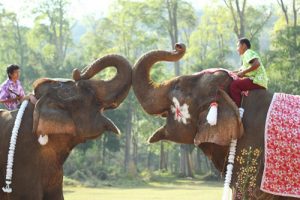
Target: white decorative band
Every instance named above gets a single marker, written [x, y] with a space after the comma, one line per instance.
[12, 146]
[229, 169]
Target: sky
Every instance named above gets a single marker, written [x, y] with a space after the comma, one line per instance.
[82, 8]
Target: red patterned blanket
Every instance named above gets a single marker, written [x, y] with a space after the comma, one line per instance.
[282, 147]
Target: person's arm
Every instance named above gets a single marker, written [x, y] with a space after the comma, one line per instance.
[254, 65]
[10, 100]
[30, 97]
[4, 94]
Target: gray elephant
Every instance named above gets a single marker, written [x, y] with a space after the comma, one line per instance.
[69, 112]
[185, 100]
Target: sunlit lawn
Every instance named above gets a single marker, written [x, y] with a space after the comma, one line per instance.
[181, 190]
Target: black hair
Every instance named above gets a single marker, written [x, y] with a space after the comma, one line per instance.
[10, 69]
[246, 42]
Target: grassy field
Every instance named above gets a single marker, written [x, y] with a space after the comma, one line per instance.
[178, 190]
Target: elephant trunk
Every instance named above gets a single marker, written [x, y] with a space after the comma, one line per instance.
[110, 93]
[153, 97]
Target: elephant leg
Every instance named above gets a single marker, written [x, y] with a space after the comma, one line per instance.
[56, 194]
[21, 196]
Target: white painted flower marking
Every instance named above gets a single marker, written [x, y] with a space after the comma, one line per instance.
[181, 113]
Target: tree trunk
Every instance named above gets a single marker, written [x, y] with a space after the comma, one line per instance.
[189, 171]
[185, 161]
[103, 150]
[128, 138]
[284, 10]
[167, 160]
[238, 16]
[135, 149]
[163, 158]
[182, 160]
[149, 160]
[20, 45]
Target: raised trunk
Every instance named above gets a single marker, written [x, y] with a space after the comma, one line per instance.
[153, 96]
[111, 93]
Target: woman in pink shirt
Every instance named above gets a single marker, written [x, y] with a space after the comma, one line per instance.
[11, 90]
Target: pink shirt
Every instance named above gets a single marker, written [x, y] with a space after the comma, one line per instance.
[8, 90]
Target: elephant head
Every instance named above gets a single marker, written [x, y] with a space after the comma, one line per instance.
[69, 112]
[75, 106]
[185, 101]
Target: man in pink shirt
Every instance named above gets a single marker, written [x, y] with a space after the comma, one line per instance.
[11, 90]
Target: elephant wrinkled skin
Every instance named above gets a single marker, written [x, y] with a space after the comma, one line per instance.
[172, 98]
[69, 112]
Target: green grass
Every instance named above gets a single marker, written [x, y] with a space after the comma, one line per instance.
[179, 189]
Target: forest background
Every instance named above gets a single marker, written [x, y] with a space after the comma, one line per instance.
[55, 43]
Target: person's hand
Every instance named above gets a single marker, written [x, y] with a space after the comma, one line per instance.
[31, 98]
[241, 74]
[18, 98]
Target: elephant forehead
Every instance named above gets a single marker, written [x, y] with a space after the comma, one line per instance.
[47, 126]
[44, 86]
[41, 81]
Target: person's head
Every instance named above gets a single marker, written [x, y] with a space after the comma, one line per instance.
[242, 45]
[13, 72]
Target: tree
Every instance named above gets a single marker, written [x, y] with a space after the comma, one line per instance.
[13, 42]
[244, 18]
[210, 42]
[284, 55]
[50, 37]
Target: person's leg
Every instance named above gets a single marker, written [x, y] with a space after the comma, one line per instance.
[239, 85]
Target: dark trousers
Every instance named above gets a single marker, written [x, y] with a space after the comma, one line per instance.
[239, 85]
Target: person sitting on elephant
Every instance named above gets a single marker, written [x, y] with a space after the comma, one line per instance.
[11, 90]
[251, 75]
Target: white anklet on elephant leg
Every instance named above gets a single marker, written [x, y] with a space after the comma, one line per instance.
[226, 191]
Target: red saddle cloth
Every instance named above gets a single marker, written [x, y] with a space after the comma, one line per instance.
[282, 147]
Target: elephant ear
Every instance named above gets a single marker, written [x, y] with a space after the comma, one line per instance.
[229, 125]
[51, 118]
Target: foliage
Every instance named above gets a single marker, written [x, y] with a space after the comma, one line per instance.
[50, 37]
[284, 57]
[209, 42]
